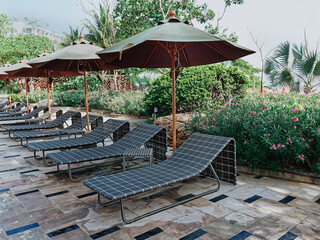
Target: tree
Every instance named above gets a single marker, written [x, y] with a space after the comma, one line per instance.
[101, 29]
[13, 49]
[294, 66]
[5, 25]
[73, 35]
[134, 16]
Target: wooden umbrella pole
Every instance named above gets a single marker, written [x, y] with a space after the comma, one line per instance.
[48, 94]
[86, 94]
[9, 92]
[174, 137]
[27, 98]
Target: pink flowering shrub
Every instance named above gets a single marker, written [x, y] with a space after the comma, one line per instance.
[271, 130]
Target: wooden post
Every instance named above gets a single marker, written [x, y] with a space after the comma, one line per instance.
[174, 137]
[9, 92]
[86, 94]
[27, 98]
[48, 94]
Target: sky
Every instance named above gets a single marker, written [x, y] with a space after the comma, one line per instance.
[270, 21]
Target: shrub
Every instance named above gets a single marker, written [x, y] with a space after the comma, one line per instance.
[77, 83]
[33, 97]
[117, 102]
[197, 87]
[272, 131]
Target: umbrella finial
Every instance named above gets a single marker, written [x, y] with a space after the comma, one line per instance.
[45, 51]
[81, 37]
[172, 13]
[24, 58]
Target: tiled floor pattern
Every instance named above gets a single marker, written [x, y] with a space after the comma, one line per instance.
[36, 202]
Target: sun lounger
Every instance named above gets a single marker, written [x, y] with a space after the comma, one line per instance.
[6, 108]
[144, 134]
[92, 138]
[13, 120]
[14, 112]
[95, 121]
[5, 103]
[200, 154]
[57, 123]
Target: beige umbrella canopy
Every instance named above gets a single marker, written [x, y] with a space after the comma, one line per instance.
[172, 44]
[5, 76]
[22, 69]
[79, 56]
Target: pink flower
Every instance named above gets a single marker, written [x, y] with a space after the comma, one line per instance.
[319, 130]
[279, 145]
[311, 139]
[245, 142]
[295, 110]
[295, 119]
[301, 157]
[239, 119]
[273, 147]
[294, 127]
[303, 139]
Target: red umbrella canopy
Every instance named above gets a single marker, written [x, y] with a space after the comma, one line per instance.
[71, 58]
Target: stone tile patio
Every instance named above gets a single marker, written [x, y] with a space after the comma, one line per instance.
[38, 203]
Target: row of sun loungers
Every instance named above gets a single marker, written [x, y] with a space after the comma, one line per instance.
[201, 154]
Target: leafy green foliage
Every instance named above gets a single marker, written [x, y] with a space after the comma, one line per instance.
[271, 130]
[197, 87]
[134, 16]
[13, 49]
[294, 66]
[73, 35]
[5, 25]
[249, 70]
[117, 102]
[77, 83]
[34, 97]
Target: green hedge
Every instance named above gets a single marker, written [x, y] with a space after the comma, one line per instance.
[272, 131]
[197, 87]
[118, 102]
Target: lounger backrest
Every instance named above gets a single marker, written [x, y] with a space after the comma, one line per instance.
[111, 126]
[18, 108]
[36, 111]
[4, 104]
[201, 149]
[151, 136]
[63, 118]
[82, 122]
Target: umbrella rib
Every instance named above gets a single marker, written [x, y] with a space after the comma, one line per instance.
[153, 49]
[117, 56]
[183, 46]
[69, 65]
[212, 47]
[95, 61]
[185, 56]
[163, 46]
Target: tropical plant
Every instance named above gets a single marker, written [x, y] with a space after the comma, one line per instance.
[295, 66]
[101, 31]
[73, 35]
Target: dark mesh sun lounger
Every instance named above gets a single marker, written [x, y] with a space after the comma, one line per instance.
[99, 134]
[14, 111]
[53, 124]
[5, 103]
[34, 113]
[80, 124]
[144, 134]
[194, 157]
[13, 104]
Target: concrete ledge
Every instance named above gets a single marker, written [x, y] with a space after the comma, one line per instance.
[286, 175]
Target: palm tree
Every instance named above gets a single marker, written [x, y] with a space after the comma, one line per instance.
[294, 66]
[101, 29]
[72, 36]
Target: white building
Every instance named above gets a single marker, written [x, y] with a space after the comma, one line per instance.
[23, 28]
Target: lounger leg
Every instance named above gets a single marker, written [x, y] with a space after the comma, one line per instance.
[171, 205]
[106, 203]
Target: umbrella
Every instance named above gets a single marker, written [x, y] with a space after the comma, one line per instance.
[172, 44]
[22, 69]
[79, 56]
[4, 76]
